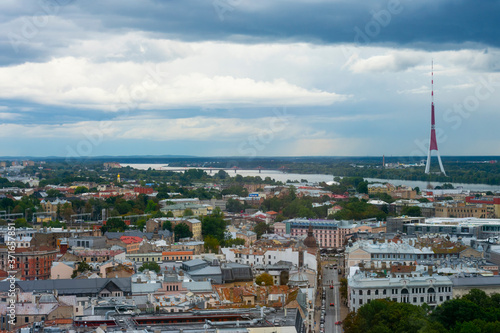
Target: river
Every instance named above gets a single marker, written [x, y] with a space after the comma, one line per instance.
[313, 178]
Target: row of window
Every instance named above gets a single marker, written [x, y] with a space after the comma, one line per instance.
[395, 291]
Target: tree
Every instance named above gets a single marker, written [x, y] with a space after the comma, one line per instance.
[235, 241]
[81, 189]
[82, 267]
[169, 214]
[181, 230]
[411, 211]
[265, 279]
[53, 193]
[151, 265]
[114, 224]
[151, 206]
[67, 211]
[214, 225]
[234, 206]
[141, 224]
[167, 225]
[362, 187]
[211, 244]
[187, 212]
[22, 223]
[261, 228]
[383, 315]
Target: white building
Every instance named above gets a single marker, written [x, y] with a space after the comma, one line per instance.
[416, 290]
[270, 256]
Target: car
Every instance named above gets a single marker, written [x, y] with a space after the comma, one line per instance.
[332, 304]
[331, 286]
[338, 322]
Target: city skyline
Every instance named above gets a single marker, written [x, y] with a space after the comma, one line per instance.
[238, 78]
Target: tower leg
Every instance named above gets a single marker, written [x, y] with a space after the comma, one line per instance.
[440, 163]
[428, 165]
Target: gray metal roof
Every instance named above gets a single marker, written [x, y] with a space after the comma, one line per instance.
[70, 286]
[194, 262]
[209, 270]
[476, 281]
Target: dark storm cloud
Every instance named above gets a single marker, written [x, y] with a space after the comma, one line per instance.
[431, 25]
[398, 21]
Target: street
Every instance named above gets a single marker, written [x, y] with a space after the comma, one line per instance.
[330, 277]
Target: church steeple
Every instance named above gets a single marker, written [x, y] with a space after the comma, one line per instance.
[310, 240]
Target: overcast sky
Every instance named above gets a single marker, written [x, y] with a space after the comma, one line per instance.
[248, 77]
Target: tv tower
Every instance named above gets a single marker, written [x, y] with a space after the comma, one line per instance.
[433, 144]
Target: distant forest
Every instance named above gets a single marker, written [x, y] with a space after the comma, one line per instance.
[459, 169]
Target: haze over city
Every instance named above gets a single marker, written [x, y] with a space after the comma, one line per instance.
[246, 78]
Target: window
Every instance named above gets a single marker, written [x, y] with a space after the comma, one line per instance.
[414, 300]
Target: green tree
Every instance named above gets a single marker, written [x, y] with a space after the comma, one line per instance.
[151, 206]
[114, 224]
[387, 316]
[167, 225]
[151, 266]
[81, 189]
[53, 193]
[411, 211]
[211, 244]
[264, 279]
[362, 187]
[214, 225]
[82, 267]
[169, 214]
[187, 212]
[235, 241]
[234, 206]
[22, 223]
[261, 228]
[141, 224]
[181, 230]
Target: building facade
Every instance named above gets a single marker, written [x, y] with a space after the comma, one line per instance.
[416, 290]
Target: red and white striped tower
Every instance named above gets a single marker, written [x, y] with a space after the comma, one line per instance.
[433, 144]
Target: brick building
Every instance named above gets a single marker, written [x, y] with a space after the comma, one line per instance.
[31, 263]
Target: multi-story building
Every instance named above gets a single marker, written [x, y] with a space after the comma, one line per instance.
[87, 242]
[417, 290]
[144, 257]
[177, 255]
[460, 209]
[30, 263]
[464, 227]
[492, 204]
[379, 254]
[51, 207]
[380, 188]
[328, 233]
[269, 256]
[248, 236]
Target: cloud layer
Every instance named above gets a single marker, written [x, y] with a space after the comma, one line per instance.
[229, 76]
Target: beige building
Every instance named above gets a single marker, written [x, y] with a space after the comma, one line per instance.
[460, 210]
[62, 270]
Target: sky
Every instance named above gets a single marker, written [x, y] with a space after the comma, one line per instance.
[248, 77]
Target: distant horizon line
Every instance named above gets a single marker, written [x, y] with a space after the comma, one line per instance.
[233, 157]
